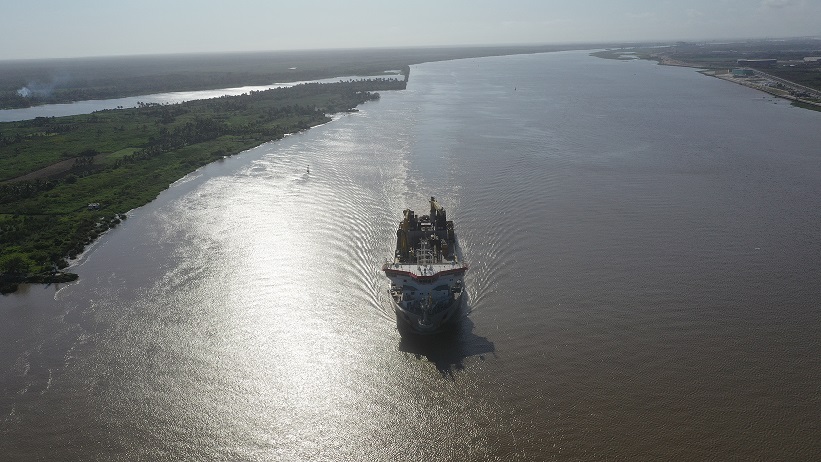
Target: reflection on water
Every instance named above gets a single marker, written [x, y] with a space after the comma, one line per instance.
[643, 285]
[447, 350]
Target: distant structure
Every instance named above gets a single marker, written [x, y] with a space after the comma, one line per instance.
[743, 72]
[812, 60]
[757, 62]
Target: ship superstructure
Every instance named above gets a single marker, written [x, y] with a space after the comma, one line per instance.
[425, 273]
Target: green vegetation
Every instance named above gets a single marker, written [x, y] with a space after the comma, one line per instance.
[35, 82]
[811, 107]
[53, 169]
[64, 181]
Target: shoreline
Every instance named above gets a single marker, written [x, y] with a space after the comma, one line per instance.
[45, 223]
[133, 76]
[719, 73]
[10, 284]
[728, 77]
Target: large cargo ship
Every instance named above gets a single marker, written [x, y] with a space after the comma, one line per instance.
[426, 274]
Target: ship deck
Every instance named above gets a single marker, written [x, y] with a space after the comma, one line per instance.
[418, 271]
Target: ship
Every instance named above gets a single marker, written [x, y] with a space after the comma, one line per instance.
[425, 272]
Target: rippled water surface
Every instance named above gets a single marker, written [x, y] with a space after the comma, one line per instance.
[644, 248]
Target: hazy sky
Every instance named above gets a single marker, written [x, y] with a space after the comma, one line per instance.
[69, 28]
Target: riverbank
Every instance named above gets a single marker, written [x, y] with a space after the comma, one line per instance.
[65, 181]
[10, 283]
[786, 75]
[28, 83]
[766, 87]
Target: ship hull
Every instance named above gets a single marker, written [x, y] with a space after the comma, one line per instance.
[410, 321]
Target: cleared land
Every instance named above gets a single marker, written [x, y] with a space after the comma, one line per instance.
[794, 75]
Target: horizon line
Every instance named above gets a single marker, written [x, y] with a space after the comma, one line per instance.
[591, 44]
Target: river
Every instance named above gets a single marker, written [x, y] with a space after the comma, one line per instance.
[644, 263]
[89, 106]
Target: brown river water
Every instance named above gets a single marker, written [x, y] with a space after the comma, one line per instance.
[644, 246]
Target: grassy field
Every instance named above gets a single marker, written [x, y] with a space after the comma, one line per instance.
[52, 169]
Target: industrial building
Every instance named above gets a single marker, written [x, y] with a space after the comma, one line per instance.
[757, 62]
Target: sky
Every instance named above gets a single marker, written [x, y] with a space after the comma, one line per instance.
[78, 28]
